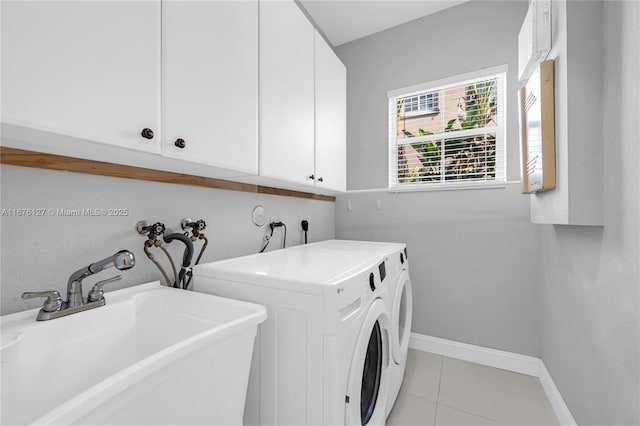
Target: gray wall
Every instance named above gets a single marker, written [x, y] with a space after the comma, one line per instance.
[591, 280]
[39, 253]
[474, 254]
[473, 260]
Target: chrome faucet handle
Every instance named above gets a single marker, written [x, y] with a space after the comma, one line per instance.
[97, 293]
[53, 302]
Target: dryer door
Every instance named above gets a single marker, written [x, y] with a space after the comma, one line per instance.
[368, 384]
[401, 318]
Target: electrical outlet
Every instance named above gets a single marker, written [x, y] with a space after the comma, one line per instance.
[300, 219]
[274, 219]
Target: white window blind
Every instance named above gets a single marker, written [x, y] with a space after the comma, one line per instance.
[448, 132]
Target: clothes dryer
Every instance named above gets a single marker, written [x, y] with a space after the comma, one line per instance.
[399, 297]
[323, 356]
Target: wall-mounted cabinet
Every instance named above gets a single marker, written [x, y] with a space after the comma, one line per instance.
[302, 103]
[177, 84]
[287, 92]
[90, 70]
[330, 118]
[210, 83]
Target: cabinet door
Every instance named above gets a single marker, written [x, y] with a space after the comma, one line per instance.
[88, 69]
[287, 92]
[210, 82]
[331, 118]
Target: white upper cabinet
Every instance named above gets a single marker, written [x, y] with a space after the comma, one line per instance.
[287, 93]
[231, 89]
[330, 118]
[87, 69]
[210, 82]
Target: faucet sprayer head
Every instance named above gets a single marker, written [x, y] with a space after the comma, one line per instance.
[122, 260]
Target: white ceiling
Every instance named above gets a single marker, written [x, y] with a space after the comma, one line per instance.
[343, 21]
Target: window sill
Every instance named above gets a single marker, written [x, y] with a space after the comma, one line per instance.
[451, 186]
[432, 188]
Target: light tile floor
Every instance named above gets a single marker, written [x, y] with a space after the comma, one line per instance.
[444, 391]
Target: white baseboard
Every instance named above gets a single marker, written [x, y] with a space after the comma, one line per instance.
[553, 394]
[477, 354]
[509, 361]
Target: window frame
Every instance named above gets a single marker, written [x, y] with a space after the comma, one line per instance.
[500, 178]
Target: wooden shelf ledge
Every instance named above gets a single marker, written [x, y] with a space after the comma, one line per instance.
[40, 160]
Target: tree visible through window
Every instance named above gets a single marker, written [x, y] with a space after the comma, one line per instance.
[450, 133]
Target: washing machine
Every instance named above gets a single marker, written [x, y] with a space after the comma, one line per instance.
[323, 356]
[398, 297]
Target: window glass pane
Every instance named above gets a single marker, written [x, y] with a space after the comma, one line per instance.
[449, 126]
[419, 162]
[451, 159]
[426, 102]
[402, 108]
[472, 158]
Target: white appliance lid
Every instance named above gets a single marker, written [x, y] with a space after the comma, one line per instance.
[294, 269]
[352, 246]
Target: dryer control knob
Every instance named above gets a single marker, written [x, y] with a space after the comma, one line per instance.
[372, 282]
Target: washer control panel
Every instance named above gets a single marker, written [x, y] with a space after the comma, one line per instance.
[383, 271]
[382, 274]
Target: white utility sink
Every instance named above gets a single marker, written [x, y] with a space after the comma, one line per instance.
[151, 355]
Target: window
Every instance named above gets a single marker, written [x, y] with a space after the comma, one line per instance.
[448, 132]
[425, 103]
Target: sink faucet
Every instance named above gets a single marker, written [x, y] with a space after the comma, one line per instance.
[122, 260]
[54, 307]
